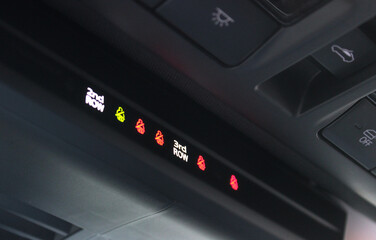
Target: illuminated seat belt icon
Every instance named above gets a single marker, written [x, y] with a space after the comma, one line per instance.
[120, 114]
[140, 126]
[201, 163]
[234, 183]
[159, 138]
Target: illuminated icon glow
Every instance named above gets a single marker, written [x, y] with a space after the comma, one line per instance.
[94, 100]
[201, 163]
[140, 126]
[159, 138]
[180, 151]
[234, 183]
[120, 114]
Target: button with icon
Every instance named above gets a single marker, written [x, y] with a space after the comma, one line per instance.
[228, 30]
[347, 55]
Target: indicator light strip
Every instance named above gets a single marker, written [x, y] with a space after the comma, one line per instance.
[178, 151]
[163, 142]
[70, 84]
[216, 173]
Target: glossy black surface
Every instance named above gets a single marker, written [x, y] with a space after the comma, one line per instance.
[133, 82]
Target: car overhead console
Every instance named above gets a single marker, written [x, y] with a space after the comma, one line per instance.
[88, 79]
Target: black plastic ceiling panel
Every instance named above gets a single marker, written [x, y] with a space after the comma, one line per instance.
[65, 60]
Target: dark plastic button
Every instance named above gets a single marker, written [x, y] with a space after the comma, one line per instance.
[348, 54]
[229, 30]
[355, 133]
